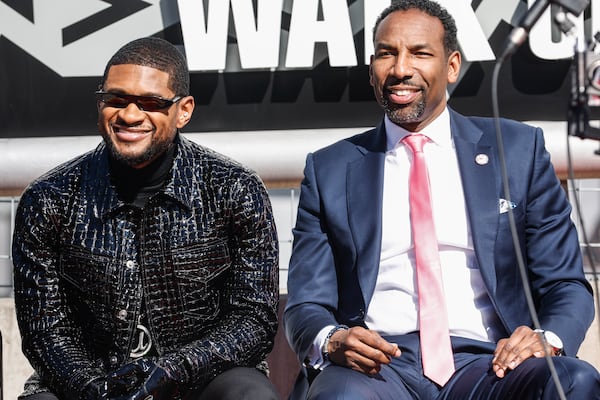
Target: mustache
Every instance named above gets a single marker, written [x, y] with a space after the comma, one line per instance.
[124, 125]
[392, 81]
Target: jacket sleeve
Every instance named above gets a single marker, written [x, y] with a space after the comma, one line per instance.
[554, 256]
[50, 340]
[549, 244]
[312, 278]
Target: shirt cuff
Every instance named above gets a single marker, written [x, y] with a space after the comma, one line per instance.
[315, 354]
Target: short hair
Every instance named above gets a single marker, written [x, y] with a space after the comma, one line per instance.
[428, 7]
[156, 53]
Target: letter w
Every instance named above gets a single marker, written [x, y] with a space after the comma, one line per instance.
[206, 38]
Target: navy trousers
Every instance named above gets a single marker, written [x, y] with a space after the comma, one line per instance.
[474, 378]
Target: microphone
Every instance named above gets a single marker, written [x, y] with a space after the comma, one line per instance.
[519, 34]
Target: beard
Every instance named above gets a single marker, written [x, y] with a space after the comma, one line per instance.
[403, 114]
[156, 148]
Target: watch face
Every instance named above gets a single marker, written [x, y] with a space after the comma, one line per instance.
[553, 340]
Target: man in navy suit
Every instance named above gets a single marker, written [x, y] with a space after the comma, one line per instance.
[352, 310]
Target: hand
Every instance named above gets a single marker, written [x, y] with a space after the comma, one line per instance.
[142, 379]
[361, 349]
[95, 390]
[524, 343]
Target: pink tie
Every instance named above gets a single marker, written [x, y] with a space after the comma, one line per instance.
[436, 351]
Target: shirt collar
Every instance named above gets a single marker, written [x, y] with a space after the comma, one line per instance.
[438, 131]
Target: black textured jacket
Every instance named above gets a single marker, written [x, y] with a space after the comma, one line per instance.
[202, 254]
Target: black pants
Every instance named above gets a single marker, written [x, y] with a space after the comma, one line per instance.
[234, 384]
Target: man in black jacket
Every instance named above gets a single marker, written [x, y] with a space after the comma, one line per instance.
[146, 268]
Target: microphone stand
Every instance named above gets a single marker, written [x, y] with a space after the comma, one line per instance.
[578, 114]
[578, 121]
[515, 39]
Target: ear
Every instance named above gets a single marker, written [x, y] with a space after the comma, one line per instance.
[184, 111]
[371, 71]
[454, 61]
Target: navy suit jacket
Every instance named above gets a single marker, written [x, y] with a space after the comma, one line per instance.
[337, 237]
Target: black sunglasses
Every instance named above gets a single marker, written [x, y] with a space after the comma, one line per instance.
[144, 103]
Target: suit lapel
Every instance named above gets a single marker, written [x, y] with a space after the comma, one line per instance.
[364, 191]
[479, 171]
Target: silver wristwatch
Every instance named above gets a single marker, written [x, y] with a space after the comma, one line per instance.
[553, 340]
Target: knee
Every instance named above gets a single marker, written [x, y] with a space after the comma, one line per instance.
[343, 385]
[585, 373]
[255, 386]
[239, 384]
[253, 392]
[337, 392]
[581, 380]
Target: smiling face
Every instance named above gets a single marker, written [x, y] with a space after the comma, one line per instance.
[410, 68]
[133, 136]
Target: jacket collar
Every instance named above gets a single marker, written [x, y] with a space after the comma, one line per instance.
[178, 187]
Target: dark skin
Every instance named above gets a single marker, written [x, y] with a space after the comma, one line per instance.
[410, 71]
[361, 349]
[366, 351]
[132, 132]
[510, 352]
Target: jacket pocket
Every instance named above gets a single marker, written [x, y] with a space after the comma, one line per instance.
[200, 270]
[86, 274]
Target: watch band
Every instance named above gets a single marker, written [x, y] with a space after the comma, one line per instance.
[325, 348]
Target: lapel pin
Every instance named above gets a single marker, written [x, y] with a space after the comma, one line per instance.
[482, 159]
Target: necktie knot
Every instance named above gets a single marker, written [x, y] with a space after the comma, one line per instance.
[415, 142]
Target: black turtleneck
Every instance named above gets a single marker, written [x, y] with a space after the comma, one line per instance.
[136, 185]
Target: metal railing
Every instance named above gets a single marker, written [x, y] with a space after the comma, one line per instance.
[285, 203]
[586, 194]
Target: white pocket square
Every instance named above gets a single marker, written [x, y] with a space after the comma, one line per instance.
[505, 205]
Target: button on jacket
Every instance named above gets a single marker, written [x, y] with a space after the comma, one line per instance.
[201, 255]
